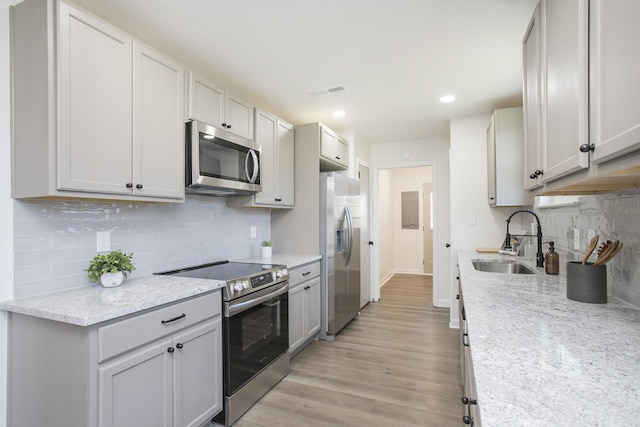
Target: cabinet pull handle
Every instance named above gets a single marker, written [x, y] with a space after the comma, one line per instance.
[138, 186]
[585, 148]
[278, 200]
[536, 174]
[128, 185]
[171, 350]
[337, 158]
[307, 273]
[179, 345]
[306, 288]
[174, 319]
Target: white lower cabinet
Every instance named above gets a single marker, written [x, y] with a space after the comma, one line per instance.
[162, 368]
[304, 306]
[173, 378]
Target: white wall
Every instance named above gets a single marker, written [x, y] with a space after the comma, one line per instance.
[6, 209]
[469, 193]
[429, 152]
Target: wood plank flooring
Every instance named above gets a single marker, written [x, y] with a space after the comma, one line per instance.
[397, 365]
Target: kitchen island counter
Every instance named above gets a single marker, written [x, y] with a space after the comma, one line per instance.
[541, 359]
[94, 304]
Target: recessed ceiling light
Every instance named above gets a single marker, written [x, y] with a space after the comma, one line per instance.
[447, 98]
[339, 113]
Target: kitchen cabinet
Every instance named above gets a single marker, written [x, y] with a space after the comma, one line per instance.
[334, 150]
[304, 305]
[215, 106]
[505, 159]
[276, 139]
[469, 398]
[96, 113]
[614, 62]
[532, 86]
[161, 367]
[590, 141]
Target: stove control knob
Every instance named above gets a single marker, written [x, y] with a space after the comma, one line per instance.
[281, 273]
[245, 284]
[237, 287]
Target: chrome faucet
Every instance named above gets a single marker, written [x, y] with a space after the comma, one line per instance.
[507, 241]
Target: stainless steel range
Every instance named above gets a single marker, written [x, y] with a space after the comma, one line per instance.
[255, 330]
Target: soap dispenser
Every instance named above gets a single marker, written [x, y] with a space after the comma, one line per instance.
[551, 260]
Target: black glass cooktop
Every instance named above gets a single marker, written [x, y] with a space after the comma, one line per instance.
[223, 270]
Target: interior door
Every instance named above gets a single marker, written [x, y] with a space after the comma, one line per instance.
[427, 261]
[364, 174]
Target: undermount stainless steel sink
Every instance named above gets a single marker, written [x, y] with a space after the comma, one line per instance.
[499, 266]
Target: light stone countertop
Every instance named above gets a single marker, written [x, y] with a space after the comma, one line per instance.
[290, 260]
[541, 359]
[94, 304]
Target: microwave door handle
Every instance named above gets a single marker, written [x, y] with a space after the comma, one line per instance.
[256, 167]
[246, 166]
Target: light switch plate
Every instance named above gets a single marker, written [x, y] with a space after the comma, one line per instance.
[253, 232]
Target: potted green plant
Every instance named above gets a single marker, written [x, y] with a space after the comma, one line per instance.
[110, 268]
[266, 249]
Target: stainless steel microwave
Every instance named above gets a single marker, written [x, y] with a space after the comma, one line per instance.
[220, 163]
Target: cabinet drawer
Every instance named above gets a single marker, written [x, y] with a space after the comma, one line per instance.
[304, 273]
[122, 336]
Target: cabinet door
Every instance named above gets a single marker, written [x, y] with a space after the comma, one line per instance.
[158, 129]
[566, 87]
[312, 307]
[95, 80]
[266, 127]
[342, 152]
[328, 141]
[615, 81]
[296, 316]
[491, 161]
[285, 164]
[531, 46]
[206, 101]
[137, 390]
[239, 117]
[198, 374]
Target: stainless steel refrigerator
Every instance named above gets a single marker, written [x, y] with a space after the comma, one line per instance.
[340, 250]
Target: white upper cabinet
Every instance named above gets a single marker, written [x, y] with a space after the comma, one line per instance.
[334, 150]
[215, 106]
[108, 124]
[589, 106]
[565, 92]
[505, 159]
[276, 139]
[531, 46]
[95, 114]
[158, 128]
[615, 78]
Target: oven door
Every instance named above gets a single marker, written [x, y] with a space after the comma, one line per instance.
[256, 331]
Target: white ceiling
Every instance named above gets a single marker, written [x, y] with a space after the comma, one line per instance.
[397, 57]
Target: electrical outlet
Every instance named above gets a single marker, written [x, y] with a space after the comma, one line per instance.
[576, 239]
[103, 241]
[253, 231]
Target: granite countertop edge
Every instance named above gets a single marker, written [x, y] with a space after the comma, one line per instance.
[90, 305]
[542, 359]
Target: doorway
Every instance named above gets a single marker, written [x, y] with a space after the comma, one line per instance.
[405, 221]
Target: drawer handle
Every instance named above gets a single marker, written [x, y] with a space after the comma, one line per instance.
[306, 288]
[307, 273]
[174, 319]
[179, 345]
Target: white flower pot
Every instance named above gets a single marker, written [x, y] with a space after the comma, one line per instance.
[266, 251]
[111, 280]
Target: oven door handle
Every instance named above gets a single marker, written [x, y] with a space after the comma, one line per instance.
[242, 306]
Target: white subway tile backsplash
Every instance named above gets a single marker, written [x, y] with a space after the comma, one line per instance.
[54, 240]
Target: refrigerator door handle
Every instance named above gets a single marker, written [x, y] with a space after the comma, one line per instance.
[349, 242]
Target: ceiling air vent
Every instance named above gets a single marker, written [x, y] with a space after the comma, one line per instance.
[328, 90]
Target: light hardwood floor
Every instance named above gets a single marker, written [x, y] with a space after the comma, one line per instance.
[397, 365]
